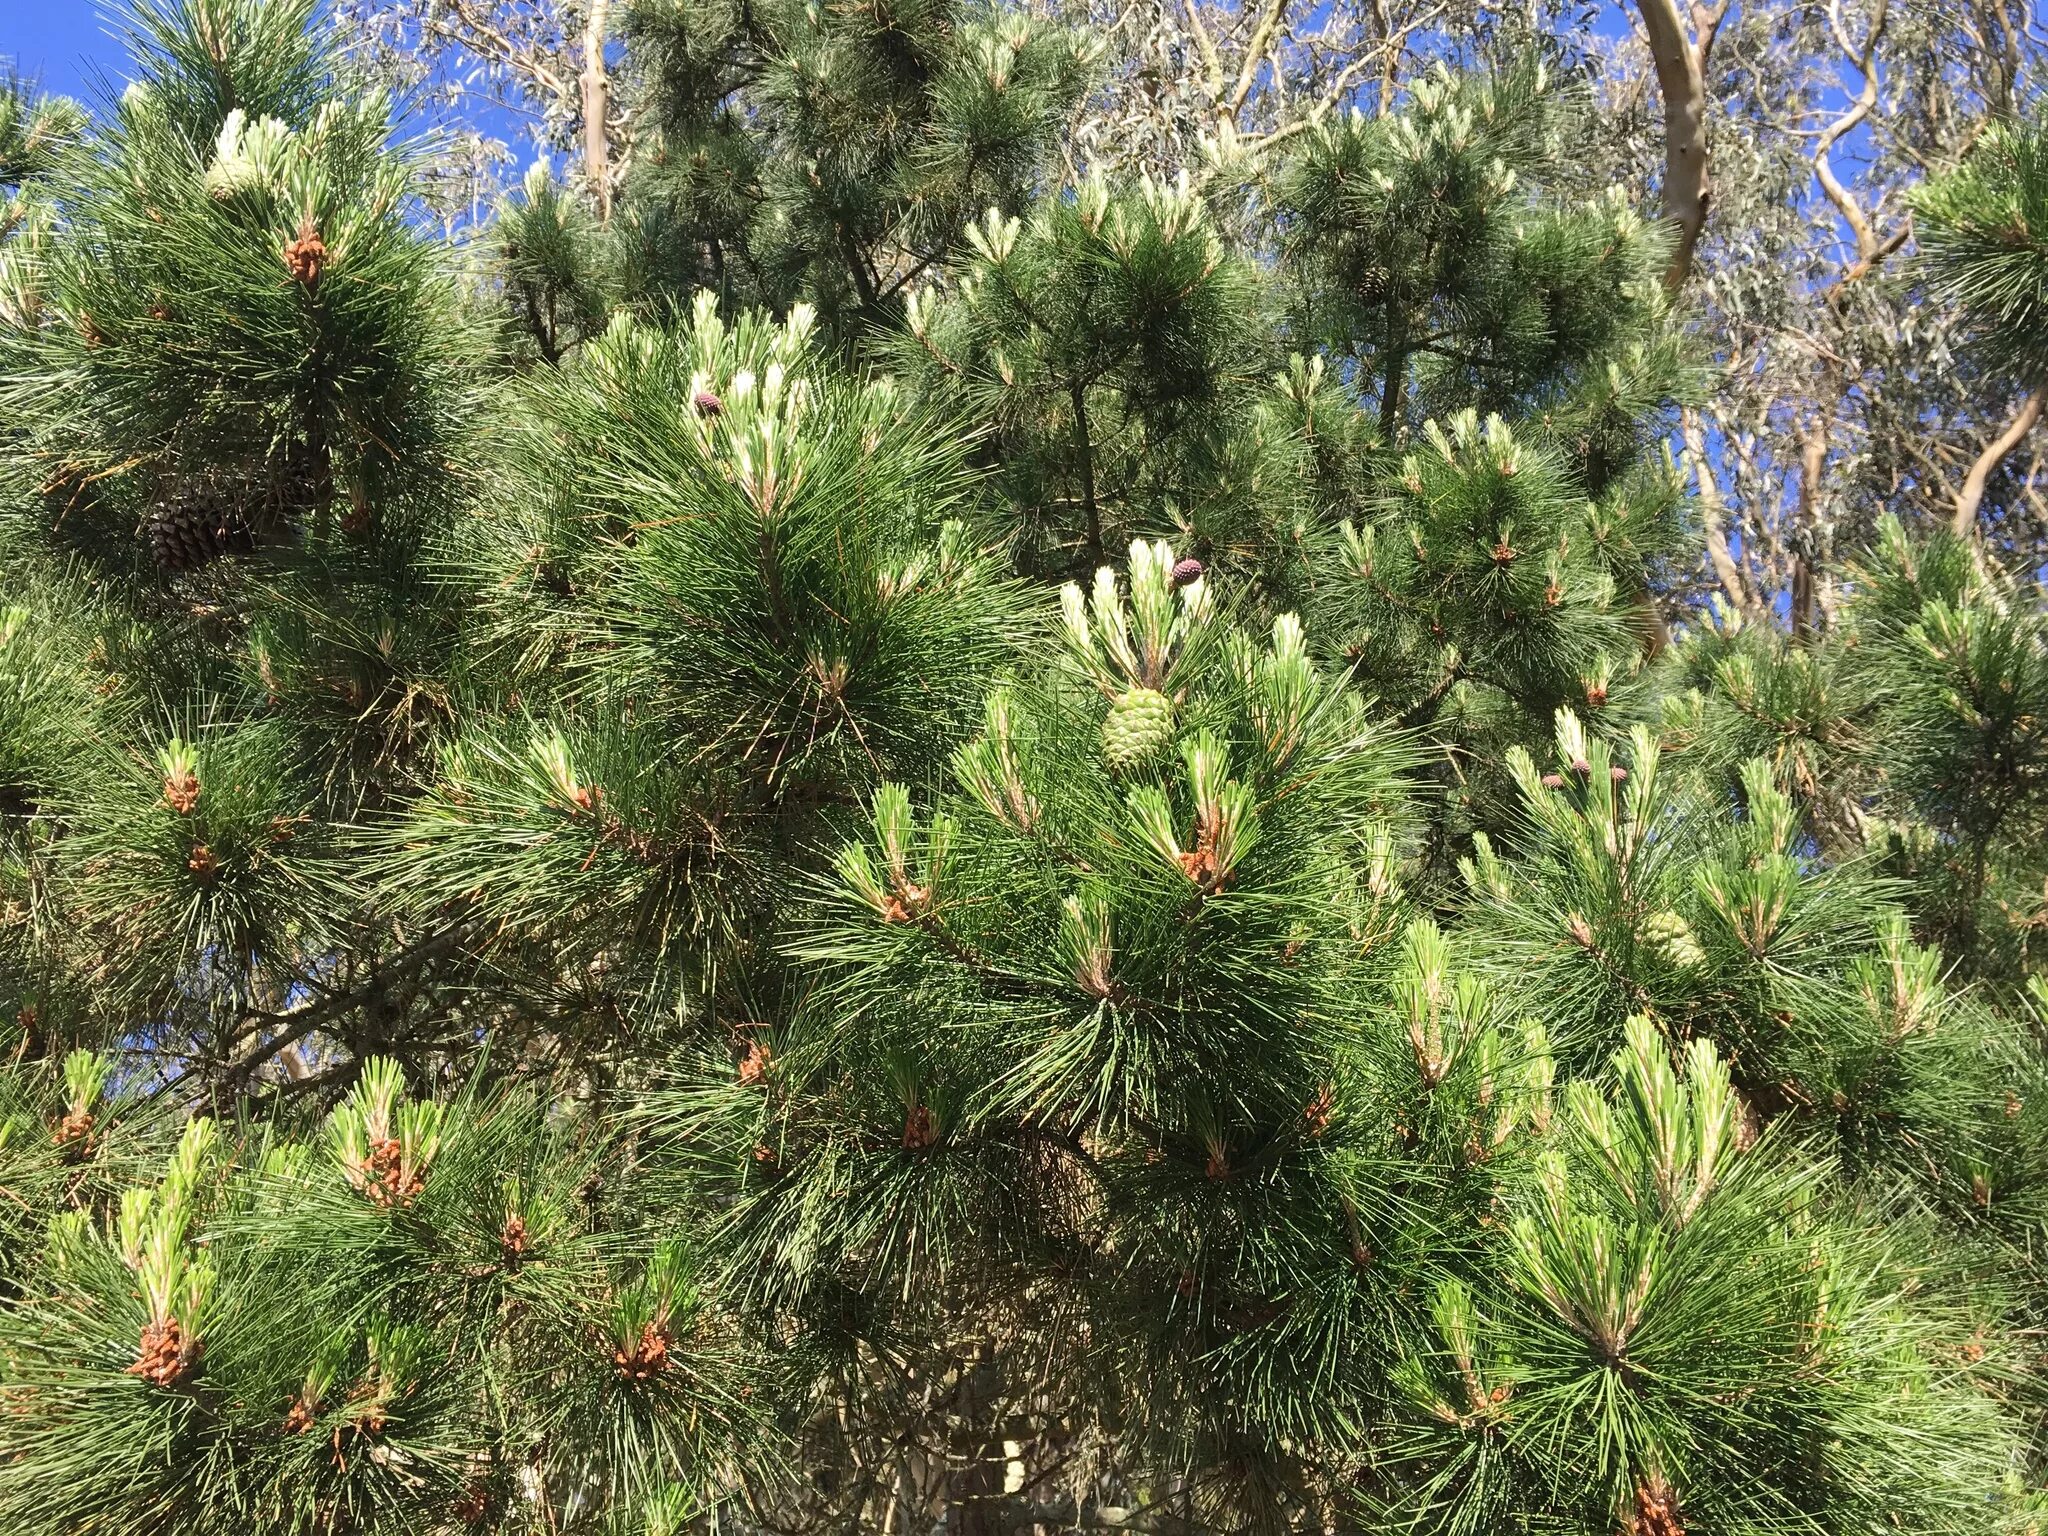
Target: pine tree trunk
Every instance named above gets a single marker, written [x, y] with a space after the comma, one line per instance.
[974, 1494]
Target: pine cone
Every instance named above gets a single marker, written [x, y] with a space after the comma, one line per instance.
[194, 529]
[1316, 1118]
[1139, 727]
[1186, 572]
[1672, 936]
[754, 1069]
[181, 791]
[475, 1505]
[707, 404]
[74, 1134]
[385, 1179]
[512, 1243]
[920, 1130]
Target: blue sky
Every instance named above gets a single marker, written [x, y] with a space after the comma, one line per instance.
[56, 41]
[69, 47]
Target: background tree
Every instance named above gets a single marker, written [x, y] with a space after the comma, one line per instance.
[529, 77]
[257, 349]
[838, 154]
[1114, 350]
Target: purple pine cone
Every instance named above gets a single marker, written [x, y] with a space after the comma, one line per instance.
[1186, 571]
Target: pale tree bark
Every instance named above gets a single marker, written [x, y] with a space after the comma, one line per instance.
[1255, 59]
[1859, 56]
[1805, 593]
[1714, 515]
[597, 100]
[1971, 497]
[1680, 51]
[1679, 47]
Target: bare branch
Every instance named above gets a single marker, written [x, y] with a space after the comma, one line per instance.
[1964, 523]
[1681, 80]
[1254, 57]
[1713, 514]
[1859, 59]
[1207, 46]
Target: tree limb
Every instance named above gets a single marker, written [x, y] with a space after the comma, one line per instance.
[1964, 523]
[1681, 62]
[1206, 45]
[1859, 58]
[1254, 56]
[1713, 514]
[596, 89]
[1813, 458]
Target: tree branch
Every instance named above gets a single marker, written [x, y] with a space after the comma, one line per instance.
[596, 89]
[1964, 523]
[1681, 80]
[1206, 45]
[1866, 99]
[1713, 513]
[1254, 56]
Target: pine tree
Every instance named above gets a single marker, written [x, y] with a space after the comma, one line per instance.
[1517, 352]
[1115, 351]
[902, 843]
[834, 154]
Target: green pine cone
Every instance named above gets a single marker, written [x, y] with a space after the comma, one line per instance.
[1673, 937]
[1140, 725]
[235, 176]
